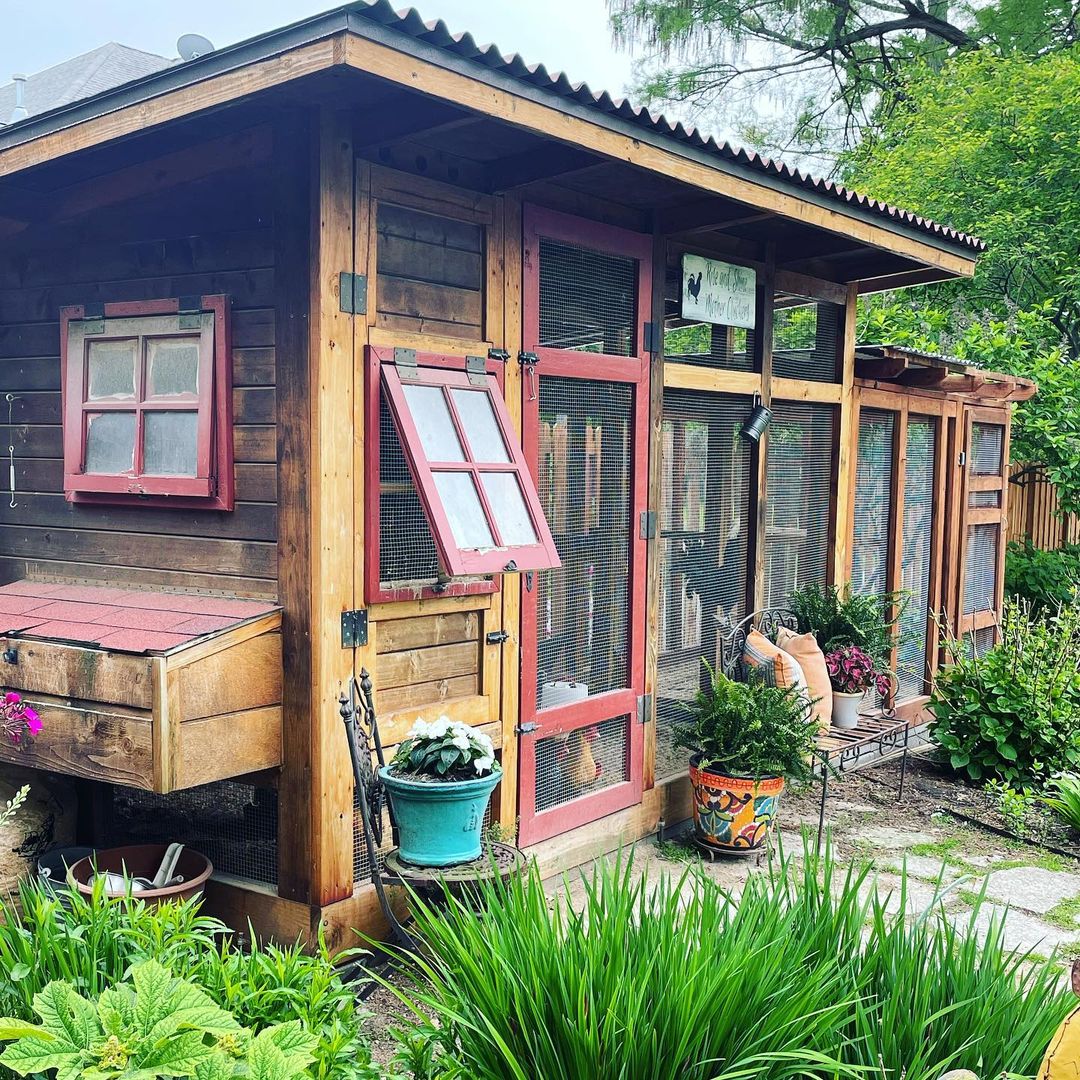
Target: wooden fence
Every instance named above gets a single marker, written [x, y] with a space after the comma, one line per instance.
[1033, 505]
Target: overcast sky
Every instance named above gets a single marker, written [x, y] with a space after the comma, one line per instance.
[567, 35]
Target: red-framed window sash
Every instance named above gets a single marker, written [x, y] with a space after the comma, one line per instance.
[447, 373]
[594, 367]
[212, 485]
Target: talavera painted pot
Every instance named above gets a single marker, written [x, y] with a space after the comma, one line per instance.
[733, 813]
[439, 823]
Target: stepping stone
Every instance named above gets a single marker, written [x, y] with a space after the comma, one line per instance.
[1022, 931]
[1032, 888]
[927, 867]
[919, 897]
[893, 839]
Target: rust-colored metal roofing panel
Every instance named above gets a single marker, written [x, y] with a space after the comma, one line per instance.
[125, 620]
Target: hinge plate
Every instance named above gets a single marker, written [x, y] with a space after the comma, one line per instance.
[354, 628]
[647, 524]
[405, 362]
[644, 708]
[190, 312]
[353, 290]
[651, 337]
[476, 369]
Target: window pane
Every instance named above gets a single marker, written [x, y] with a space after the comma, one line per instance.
[431, 415]
[508, 505]
[111, 369]
[170, 443]
[481, 428]
[464, 510]
[172, 366]
[110, 443]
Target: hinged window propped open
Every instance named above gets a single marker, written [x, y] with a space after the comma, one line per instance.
[466, 462]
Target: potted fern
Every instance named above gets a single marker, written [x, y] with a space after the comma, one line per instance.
[746, 739]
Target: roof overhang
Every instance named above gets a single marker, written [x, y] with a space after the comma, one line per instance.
[346, 38]
[927, 371]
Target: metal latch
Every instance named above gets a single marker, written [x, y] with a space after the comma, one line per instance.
[354, 628]
[647, 524]
[476, 369]
[528, 362]
[497, 637]
[644, 708]
[499, 355]
[963, 458]
[352, 289]
[405, 361]
[526, 729]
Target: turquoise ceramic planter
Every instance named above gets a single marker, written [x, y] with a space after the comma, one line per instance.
[439, 824]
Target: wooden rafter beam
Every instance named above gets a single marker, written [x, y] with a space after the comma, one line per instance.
[707, 215]
[544, 163]
[886, 369]
[385, 124]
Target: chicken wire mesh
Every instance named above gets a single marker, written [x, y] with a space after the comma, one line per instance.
[585, 468]
[873, 502]
[233, 823]
[807, 337]
[987, 449]
[588, 300]
[582, 762]
[709, 345]
[980, 569]
[704, 539]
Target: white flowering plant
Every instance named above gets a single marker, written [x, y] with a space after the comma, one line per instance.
[445, 750]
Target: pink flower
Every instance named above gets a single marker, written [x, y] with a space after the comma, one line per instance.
[11, 698]
[33, 722]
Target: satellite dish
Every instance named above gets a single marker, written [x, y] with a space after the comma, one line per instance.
[192, 46]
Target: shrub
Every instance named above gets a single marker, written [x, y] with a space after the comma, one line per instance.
[1048, 579]
[1013, 713]
[749, 728]
[91, 943]
[838, 619]
[1064, 799]
[680, 980]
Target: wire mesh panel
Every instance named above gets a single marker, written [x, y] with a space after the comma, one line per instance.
[987, 449]
[234, 824]
[799, 493]
[581, 763]
[709, 345]
[916, 556]
[584, 482]
[982, 640]
[704, 536]
[984, 498]
[407, 554]
[807, 338]
[873, 502]
[980, 571]
[588, 300]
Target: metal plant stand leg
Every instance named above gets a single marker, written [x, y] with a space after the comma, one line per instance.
[903, 765]
[824, 796]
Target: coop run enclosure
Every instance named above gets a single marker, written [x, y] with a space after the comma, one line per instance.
[353, 346]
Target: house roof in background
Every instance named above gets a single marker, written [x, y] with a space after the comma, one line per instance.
[81, 77]
[407, 32]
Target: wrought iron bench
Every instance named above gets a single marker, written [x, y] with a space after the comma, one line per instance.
[838, 750]
[499, 861]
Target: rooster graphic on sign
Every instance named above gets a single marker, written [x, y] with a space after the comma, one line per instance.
[693, 284]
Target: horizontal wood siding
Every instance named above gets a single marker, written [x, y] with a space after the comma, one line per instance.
[191, 240]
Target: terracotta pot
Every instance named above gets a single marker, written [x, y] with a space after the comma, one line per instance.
[143, 860]
[733, 813]
[845, 710]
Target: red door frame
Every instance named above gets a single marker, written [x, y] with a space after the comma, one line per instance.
[633, 370]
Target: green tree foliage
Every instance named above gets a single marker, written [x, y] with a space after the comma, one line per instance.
[833, 67]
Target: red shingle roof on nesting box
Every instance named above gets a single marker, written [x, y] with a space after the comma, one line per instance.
[123, 620]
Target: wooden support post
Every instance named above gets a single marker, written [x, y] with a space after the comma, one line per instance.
[758, 467]
[847, 438]
[314, 168]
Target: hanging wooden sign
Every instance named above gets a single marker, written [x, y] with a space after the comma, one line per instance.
[718, 292]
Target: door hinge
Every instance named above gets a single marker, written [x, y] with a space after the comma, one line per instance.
[93, 320]
[354, 628]
[644, 708]
[353, 289]
[647, 524]
[405, 361]
[190, 312]
[651, 337]
[526, 729]
[497, 637]
[476, 369]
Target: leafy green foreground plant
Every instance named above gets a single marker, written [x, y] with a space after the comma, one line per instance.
[1049, 579]
[156, 1026]
[92, 942]
[841, 617]
[680, 979]
[1064, 799]
[1013, 713]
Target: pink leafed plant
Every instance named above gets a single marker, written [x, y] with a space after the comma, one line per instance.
[852, 671]
[17, 719]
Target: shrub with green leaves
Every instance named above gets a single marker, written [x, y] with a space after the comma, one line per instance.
[1048, 579]
[682, 980]
[1013, 713]
[1064, 799]
[749, 728]
[154, 1026]
[92, 942]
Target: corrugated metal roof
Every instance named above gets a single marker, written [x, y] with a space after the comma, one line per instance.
[386, 24]
[120, 620]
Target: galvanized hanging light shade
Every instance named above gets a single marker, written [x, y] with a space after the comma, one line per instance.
[756, 422]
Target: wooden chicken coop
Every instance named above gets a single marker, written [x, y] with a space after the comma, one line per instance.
[356, 345]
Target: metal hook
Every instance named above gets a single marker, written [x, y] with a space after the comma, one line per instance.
[11, 399]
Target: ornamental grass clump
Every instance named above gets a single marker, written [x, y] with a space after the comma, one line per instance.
[444, 750]
[807, 972]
